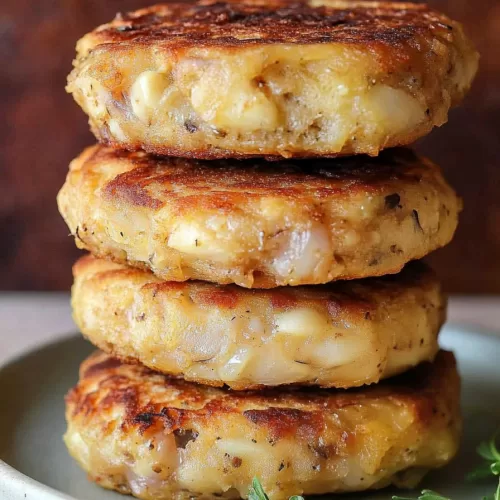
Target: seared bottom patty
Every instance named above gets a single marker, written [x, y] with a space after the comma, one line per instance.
[344, 334]
[139, 432]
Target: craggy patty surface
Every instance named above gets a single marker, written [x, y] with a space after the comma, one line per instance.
[344, 334]
[257, 223]
[140, 432]
[271, 78]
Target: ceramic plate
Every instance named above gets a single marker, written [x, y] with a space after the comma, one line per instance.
[36, 465]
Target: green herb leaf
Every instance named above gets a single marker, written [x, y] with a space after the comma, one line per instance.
[480, 472]
[484, 450]
[488, 449]
[491, 454]
[495, 468]
[257, 491]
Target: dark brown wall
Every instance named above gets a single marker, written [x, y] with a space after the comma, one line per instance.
[41, 129]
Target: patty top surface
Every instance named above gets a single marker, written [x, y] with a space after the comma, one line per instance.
[350, 299]
[148, 396]
[254, 22]
[151, 181]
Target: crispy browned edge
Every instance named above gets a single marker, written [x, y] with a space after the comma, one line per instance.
[425, 390]
[212, 23]
[214, 153]
[241, 179]
[337, 295]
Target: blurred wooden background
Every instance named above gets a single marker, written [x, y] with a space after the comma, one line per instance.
[41, 130]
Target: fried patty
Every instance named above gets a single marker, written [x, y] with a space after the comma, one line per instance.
[269, 78]
[139, 432]
[344, 334]
[257, 223]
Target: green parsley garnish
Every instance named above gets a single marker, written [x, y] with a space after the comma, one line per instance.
[257, 492]
[489, 452]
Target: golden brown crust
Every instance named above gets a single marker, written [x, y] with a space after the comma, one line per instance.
[318, 78]
[133, 386]
[373, 25]
[351, 297]
[123, 418]
[343, 334]
[231, 182]
[257, 223]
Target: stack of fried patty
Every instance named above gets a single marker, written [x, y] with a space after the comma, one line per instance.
[250, 284]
